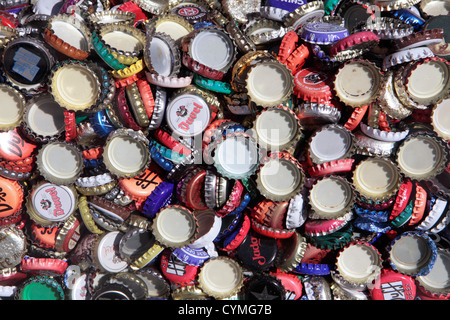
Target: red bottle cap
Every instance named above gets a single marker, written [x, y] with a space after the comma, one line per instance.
[176, 271]
[13, 147]
[392, 285]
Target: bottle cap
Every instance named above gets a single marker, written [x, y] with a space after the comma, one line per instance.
[124, 42]
[436, 212]
[126, 153]
[112, 16]
[70, 78]
[141, 186]
[134, 243]
[331, 142]
[313, 85]
[50, 203]
[323, 33]
[221, 277]
[357, 83]
[322, 227]
[359, 263]
[13, 246]
[436, 282]
[236, 156]
[376, 178]
[291, 283]
[257, 252]
[292, 251]
[160, 197]
[157, 285]
[331, 198]
[426, 37]
[43, 118]
[427, 92]
[74, 41]
[29, 62]
[392, 285]
[173, 25]
[412, 253]
[209, 224]
[176, 271]
[440, 119]
[60, 162]
[191, 256]
[202, 41]
[288, 6]
[277, 128]
[264, 31]
[391, 28]
[14, 107]
[191, 12]
[264, 287]
[12, 197]
[44, 266]
[41, 288]
[161, 55]
[269, 93]
[422, 156]
[188, 115]
[175, 226]
[155, 7]
[105, 252]
[280, 177]
[309, 12]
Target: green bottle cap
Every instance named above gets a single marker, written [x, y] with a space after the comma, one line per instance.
[41, 288]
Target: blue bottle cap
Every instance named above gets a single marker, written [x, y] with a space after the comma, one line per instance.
[312, 269]
[373, 215]
[101, 124]
[192, 256]
[371, 226]
[410, 18]
[288, 5]
[413, 253]
[323, 33]
[159, 198]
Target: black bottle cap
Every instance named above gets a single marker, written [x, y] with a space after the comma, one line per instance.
[257, 252]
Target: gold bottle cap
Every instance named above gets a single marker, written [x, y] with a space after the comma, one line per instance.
[277, 128]
[437, 282]
[175, 226]
[376, 178]
[280, 177]
[359, 263]
[331, 197]
[126, 153]
[440, 119]
[13, 107]
[331, 142]
[221, 277]
[422, 156]
[114, 17]
[60, 162]
[74, 85]
[269, 83]
[357, 83]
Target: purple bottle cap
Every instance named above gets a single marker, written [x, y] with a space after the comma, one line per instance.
[160, 197]
[323, 33]
[288, 5]
[192, 256]
[312, 269]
